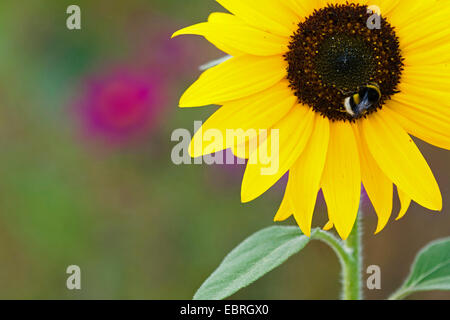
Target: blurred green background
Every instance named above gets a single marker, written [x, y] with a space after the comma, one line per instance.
[139, 226]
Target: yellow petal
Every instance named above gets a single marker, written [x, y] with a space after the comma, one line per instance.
[431, 77]
[226, 31]
[428, 29]
[285, 211]
[236, 78]
[281, 149]
[329, 225]
[433, 56]
[268, 15]
[242, 150]
[430, 102]
[302, 8]
[402, 14]
[240, 121]
[378, 187]
[400, 159]
[341, 181]
[422, 27]
[419, 123]
[201, 29]
[387, 7]
[306, 174]
[405, 202]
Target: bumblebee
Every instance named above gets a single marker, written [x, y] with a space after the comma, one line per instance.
[360, 101]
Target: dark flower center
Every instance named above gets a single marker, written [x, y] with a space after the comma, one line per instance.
[334, 54]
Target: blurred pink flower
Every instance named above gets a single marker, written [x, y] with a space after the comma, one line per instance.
[120, 106]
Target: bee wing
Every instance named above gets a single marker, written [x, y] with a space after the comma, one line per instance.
[364, 105]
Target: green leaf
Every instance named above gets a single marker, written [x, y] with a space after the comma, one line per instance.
[253, 258]
[430, 270]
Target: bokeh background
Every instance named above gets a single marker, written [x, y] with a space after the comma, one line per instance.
[86, 176]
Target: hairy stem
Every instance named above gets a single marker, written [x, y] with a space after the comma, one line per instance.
[352, 270]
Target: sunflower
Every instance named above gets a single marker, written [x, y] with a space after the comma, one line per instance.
[345, 94]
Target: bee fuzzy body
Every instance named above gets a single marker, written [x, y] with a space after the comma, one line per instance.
[358, 103]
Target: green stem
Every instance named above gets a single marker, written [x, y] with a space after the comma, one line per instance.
[352, 269]
[350, 257]
[336, 244]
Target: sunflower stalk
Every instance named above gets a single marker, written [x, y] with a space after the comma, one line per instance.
[352, 267]
[349, 253]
